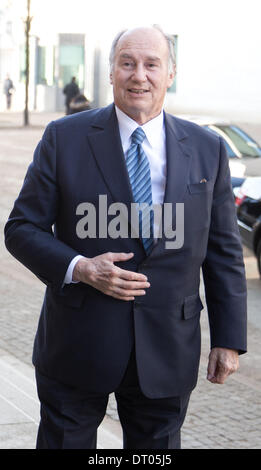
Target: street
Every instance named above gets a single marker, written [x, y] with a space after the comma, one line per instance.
[219, 416]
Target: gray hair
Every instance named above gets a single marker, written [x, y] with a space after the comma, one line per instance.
[168, 37]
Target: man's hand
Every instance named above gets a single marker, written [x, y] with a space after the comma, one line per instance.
[101, 273]
[222, 363]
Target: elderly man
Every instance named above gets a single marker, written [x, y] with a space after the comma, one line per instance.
[122, 310]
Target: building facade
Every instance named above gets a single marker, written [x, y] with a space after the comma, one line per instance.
[217, 45]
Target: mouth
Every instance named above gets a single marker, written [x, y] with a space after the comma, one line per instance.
[137, 91]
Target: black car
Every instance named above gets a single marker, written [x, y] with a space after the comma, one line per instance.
[248, 203]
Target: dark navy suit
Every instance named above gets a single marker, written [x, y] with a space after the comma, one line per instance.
[84, 337]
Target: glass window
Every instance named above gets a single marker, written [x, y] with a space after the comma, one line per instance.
[245, 144]
[173, 88]
[22, 63]
[230, 151]
[41, 61]
[71, 59]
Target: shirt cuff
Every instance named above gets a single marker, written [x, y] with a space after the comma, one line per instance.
[69, 272]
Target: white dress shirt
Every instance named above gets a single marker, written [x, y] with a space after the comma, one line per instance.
[154, 146]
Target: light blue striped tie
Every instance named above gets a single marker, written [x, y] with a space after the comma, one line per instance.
[139, 174]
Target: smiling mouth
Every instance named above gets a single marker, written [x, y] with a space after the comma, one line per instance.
[137, 91]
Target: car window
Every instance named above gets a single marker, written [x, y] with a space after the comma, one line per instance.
[245, 144]
[230, 151]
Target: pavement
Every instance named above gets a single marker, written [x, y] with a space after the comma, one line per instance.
[219, 416]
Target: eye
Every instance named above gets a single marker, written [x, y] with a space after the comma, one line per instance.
[127, 64]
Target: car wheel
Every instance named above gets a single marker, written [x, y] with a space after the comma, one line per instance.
[258, 254]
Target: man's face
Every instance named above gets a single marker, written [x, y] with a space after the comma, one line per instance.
[140, 75]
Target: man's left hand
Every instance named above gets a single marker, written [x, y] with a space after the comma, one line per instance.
[222, 362]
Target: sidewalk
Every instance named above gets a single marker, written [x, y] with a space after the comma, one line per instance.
[19, 409]
[15, 119]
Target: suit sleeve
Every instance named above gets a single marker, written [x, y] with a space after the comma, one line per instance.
[223, 268]
[29, 234]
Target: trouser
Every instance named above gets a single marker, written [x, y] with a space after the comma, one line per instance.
[70, 417]
[8, 100]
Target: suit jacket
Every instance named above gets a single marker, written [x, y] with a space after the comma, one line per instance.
[85, 337]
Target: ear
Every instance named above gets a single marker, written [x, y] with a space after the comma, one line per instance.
[171, 76]
[111, 80]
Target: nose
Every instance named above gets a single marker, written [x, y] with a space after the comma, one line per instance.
[139, 73]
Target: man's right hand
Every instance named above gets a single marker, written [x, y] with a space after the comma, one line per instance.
[101, 273]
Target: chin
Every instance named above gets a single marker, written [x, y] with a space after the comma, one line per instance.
[138, 107]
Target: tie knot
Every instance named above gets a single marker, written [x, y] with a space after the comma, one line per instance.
[138, 136]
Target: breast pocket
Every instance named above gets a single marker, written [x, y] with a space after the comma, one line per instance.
[197, 207]
[200, 188]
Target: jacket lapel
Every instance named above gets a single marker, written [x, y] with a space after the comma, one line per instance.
[178, 160]
[105, 142]
[104, 139]
[178, 165]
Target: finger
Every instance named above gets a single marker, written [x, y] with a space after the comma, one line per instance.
[220, 377]
[123, 273]
[126, 299]
[131, 285]
[220, 374]
[121, 295]
[211, 368]
[116, 257]
[223, 372]
[131, 275]
[128, 293]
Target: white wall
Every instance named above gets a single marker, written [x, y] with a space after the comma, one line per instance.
[219, 66]
[219, 52]
[219, 44]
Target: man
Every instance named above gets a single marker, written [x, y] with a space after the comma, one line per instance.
[8, 91]
[70, 91]
[121, 314]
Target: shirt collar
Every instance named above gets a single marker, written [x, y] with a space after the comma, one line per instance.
[153, 128]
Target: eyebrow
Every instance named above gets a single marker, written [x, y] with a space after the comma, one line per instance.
[129, 56]
[153, 59]
[125, 56]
